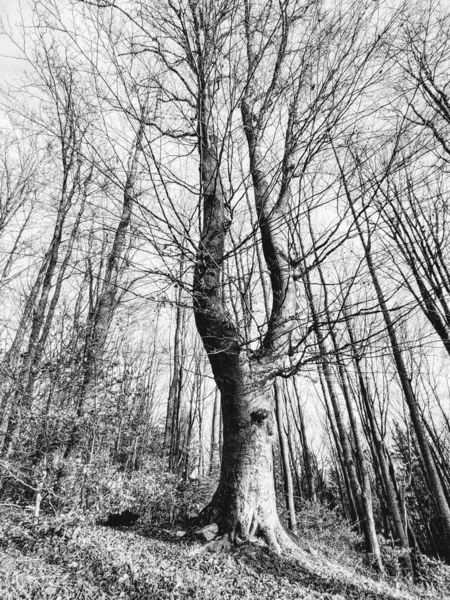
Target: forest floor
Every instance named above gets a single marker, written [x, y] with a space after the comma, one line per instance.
[72, 558]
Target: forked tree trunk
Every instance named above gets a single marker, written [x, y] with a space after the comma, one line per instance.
[244, 503]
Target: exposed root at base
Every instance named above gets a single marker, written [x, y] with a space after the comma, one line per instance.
[313, 567]
[251, 523]
[317, 571]
[220, 544]
[280, 544]
[278, 538]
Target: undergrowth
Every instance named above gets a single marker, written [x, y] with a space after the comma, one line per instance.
[67, 555]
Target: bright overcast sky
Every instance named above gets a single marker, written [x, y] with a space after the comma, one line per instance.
[10, 13]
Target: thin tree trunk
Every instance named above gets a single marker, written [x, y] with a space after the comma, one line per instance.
[366, 492]
[101, 313]
[22, 398]
[353, 509]
[419, 429]
[176, 375]
[284, 448]
[347, 453]
[391, 496]
[309, 471]
[215, 433]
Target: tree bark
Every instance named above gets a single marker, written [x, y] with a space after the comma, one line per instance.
[244, 502]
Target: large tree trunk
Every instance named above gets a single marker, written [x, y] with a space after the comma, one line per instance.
[244, 503]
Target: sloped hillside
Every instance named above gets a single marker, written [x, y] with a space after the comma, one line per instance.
[65, 558]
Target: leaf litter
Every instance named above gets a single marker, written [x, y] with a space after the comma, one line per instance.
[73, 560]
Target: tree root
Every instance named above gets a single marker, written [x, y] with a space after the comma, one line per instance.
[220, 544]
[280, 542]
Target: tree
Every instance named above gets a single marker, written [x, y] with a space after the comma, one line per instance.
[59, 87]
[439, 494]
[102, 311]
[252, 104]
[270, 84]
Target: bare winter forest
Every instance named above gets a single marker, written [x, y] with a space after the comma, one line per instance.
[225, 299]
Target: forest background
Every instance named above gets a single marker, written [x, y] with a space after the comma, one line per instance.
[247, 202]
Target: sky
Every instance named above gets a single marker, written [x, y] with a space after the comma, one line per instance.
[10, 11]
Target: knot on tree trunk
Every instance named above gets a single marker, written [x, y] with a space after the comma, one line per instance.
[259, 416]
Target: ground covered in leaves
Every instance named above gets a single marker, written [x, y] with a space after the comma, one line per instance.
[70, 557]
